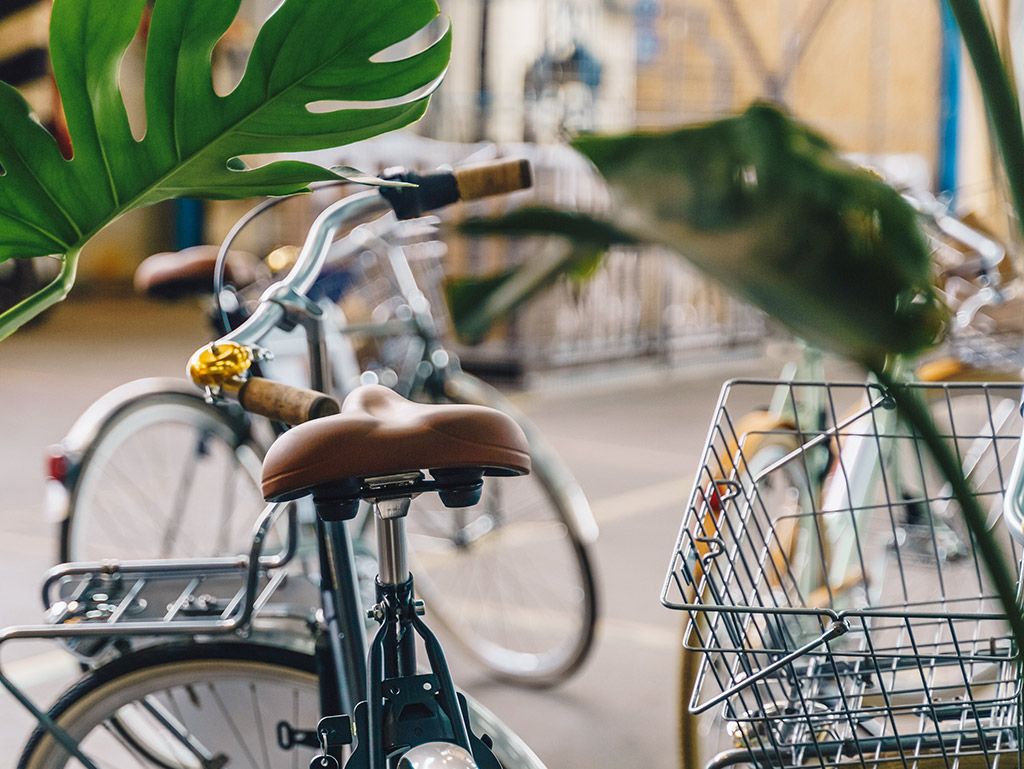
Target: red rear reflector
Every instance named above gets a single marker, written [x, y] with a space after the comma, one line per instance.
[56, 464]
[716, 494]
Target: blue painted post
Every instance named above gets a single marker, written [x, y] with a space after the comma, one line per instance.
[188, 222]
[949, 110]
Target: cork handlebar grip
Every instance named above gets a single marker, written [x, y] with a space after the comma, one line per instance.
[495, 178]
[284, 403]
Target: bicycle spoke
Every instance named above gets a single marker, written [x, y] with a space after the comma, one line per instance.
[151, 488]
[177, 511]
[260, 727]
[242, 742]
[177, 730]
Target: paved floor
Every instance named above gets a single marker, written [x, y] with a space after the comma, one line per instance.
[633, 445]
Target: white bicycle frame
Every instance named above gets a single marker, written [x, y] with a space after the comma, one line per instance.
[1013, 504]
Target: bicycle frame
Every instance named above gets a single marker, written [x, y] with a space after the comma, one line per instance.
[341, 648]
[392, 653]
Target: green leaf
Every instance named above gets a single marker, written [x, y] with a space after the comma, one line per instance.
[767, 207]
[308, 52]
[476, 304]
[537, 220]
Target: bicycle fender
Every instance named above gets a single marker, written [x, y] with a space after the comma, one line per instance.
[508, 746]
[85, 430]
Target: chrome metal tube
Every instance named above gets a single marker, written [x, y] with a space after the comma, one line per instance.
[1013, 504]
[990, 251]
[392, 553]
[308, 265]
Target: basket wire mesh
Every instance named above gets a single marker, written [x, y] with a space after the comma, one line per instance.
[832, 589]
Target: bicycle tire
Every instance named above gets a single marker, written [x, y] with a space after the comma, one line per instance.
[169, 662]
[766, 439]
[571, 588]
[106, 520]
[104, 694]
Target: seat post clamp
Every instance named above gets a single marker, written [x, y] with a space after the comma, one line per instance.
[396, 507]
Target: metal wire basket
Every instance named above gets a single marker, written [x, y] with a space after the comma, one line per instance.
[842, 614]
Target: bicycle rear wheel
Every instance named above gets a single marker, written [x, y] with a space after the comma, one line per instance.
[228, 698]
[192, 705]
[510, 578]
[166, 476]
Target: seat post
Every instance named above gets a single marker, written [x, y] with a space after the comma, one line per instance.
[392, 547]
[395, 603]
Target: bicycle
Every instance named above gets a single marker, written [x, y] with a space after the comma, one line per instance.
[243, 701]
[158, 439]
[799, 407]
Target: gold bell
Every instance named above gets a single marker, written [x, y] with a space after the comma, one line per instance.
[219, 364]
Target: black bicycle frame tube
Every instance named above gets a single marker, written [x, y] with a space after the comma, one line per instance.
[339, 581]
[399, 641]
[393, 655]
[316, 345]
[343, 615]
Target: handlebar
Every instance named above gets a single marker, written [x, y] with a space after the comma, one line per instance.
[990, 252]
[439, 189]
[296, 284]
[419, 194]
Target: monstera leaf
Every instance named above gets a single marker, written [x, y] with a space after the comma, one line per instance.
[765, 206]
[310, 53]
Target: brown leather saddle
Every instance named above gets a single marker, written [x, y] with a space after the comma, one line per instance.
[175, 275]
[379, 433]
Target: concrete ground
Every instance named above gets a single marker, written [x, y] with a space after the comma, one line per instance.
[633, 443]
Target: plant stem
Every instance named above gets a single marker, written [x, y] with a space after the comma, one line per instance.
[1003, 578]
[998, 93]
[50, 294]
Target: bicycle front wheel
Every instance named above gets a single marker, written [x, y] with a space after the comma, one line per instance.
[166, 476]
[784, 491]
[510, 578]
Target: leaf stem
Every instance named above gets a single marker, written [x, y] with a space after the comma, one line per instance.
[999, 95]
[50, 294]
[1003, 580]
